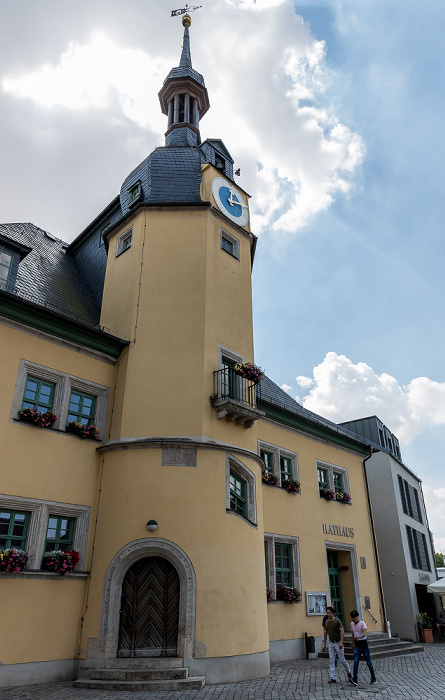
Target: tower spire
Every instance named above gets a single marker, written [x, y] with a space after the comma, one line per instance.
[184, 98]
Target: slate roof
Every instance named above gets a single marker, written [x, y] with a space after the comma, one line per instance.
[274, 396]
[50, 278]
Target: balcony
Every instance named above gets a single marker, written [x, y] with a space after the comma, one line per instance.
[235, 397]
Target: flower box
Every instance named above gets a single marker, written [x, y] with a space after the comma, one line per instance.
[36, 417]
[249, 371]
[291, 486]
[327, 494]
[288, 594]
[342, 497]
[61, 562]
[269, 594]
[13, 560]
[269, 479]
[88, 432]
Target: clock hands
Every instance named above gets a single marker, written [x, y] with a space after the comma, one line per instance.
[232, 202]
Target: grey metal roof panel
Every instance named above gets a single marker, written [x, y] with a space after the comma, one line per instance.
[50, 278]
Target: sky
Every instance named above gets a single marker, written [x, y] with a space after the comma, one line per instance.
[333, 110]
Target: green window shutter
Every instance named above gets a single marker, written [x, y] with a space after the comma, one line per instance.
[283, 564]
[268, 460]
[38, 394]
[286, 469]
[238, 500]
[13, 529]
[59, 534]
[81, 408]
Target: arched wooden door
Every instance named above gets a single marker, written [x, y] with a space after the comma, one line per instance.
[149, 609]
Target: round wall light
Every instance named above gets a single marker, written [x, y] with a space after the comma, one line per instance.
[152, 525]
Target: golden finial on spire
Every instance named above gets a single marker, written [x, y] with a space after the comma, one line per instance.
[186, 20]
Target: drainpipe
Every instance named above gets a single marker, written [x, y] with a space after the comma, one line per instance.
[374, 539]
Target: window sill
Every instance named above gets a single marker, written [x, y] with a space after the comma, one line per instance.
[242, 517]
[42, 574]
[59, 431]
[282, 602]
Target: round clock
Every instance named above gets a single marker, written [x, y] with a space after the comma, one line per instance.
[230, 201]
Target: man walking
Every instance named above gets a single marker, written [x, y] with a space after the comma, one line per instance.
[358, 629]
[334, 630]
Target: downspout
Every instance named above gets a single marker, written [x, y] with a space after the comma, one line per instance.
[374, 539]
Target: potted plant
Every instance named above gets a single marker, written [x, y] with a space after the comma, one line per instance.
[328, 494]
[269, 593]
[61, 562]
[425, 625]
[12, 559]
[269, 479]
[249, 371]
[36, 417]
[288, 594]
[291, 485]
[89, 432]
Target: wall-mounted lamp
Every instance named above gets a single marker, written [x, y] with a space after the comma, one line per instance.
[152, 525]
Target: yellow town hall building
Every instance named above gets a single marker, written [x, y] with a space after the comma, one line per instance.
[205, 500]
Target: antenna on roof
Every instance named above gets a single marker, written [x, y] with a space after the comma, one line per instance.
[182, 11]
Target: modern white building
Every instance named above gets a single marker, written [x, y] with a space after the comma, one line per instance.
[404, 541]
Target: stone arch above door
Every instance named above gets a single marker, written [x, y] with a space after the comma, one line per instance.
[106, 645]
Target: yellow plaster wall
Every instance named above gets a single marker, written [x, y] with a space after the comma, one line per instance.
[189, 504]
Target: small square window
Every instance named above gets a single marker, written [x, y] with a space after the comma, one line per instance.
[285, 469]
[230, 244]
[13, 529]
[81, 408]
[38, 394]
[59, 534]
[267, 457]
[135, 193]
[338, 483]
[332, 478]
[124, 242]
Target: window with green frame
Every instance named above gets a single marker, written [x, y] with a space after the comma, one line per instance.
[59, 534]
[228, 379]
[283, 564]
[268, 460]
[286, 469]
[13, 528]
[81, 408]
[338, 482]
[322, 475]
[5, 268]
[38, 394]
[238, 500]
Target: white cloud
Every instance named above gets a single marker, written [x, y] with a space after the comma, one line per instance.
[267, 85]
[435, 506]
[286, 388]
[342, 390]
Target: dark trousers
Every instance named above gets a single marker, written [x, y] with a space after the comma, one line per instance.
[358, 651]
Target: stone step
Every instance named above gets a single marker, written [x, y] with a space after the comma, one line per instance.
[138, 674]
[398, 649]
[191, 683]
[381, 645]
[146, 662]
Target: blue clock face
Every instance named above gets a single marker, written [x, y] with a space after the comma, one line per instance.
[230, 201]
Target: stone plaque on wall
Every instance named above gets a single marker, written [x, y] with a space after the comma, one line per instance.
[179, 457]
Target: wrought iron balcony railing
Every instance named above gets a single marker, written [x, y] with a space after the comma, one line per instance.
[235, 397]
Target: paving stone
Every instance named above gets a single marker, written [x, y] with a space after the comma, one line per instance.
[414, 677]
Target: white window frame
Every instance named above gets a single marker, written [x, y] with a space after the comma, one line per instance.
[234, 465]
[120, 243]
[40, 511]
[271, 539]
[233, 240]
[278, 452]
[331, 469]
[63, 385]
[134, 193]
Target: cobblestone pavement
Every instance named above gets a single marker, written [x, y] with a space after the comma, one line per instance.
[414, 677]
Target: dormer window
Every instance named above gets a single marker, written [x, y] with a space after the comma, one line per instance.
[5, 268]
[124, 242]
[135, 193]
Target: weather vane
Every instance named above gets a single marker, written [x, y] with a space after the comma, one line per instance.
[175, 13]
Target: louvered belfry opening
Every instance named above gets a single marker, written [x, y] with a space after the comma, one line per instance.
[149, 609]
